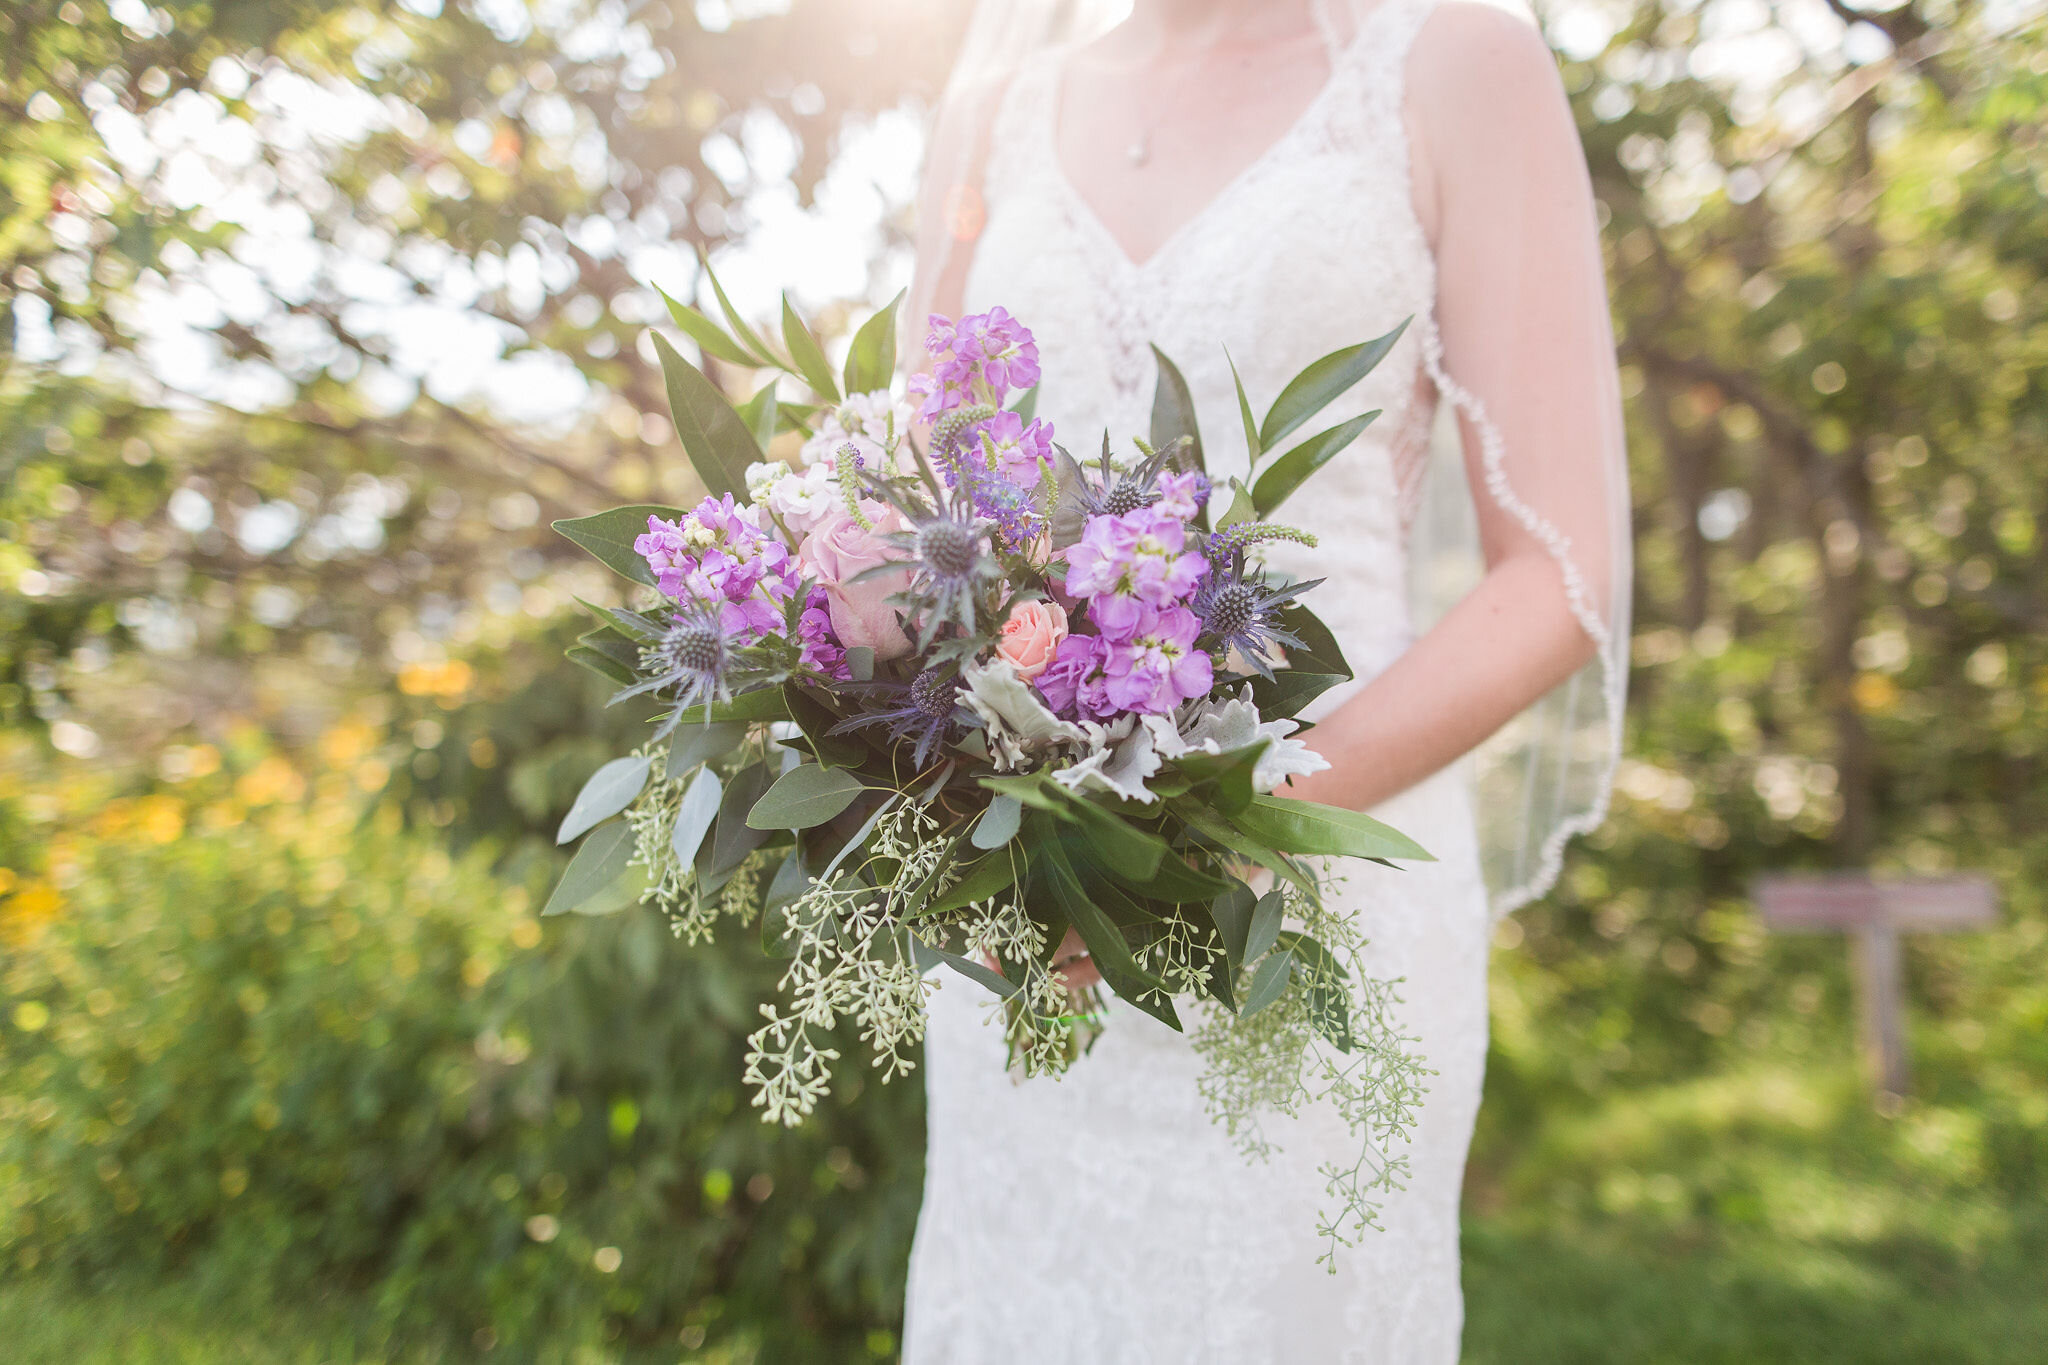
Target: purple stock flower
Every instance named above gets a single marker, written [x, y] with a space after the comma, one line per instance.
[717, 554]
[821, 648]
[1073, 684]
[984, 356]
[1127, 564]
[1022, 453]
[1183, 495]
[1157, 667]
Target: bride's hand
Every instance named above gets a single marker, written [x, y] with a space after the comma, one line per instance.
[1073, 966]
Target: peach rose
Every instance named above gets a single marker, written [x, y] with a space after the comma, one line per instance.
[1031, 636]
[836, 552]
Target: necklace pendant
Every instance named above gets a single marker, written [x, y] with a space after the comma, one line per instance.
[1139, 152]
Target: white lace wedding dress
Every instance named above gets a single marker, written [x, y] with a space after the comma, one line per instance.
[1101, 1218]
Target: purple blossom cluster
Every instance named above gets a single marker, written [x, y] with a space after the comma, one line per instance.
[1137, 573]
[982, 358]
[821, 648]
[717, 554]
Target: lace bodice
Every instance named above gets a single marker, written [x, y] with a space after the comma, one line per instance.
[1101, 1217]
[1343, 260]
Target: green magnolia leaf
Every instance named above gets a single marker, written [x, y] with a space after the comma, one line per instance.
[1291, 470]
[761, 413]
[732, 838]
[601, 664]
[610, 535]
[805, 796]
[1033, 790]
[1104, 940]
[710, 338]
[1232, 912]
[694, 814]
[1242, 508]
[871, 360]
[808, 355]
[1316, 387]
[1310, 829]
[610, 790]
[695, 742]
[1223, 780]
[1267, 982]
[1224, 834]
[715, 437]
[597, 864]
[816, 720]
[1172, 882]
[1135, 853]
[1025, 405]
[1264, 930]
[1313, 668]
[998, 824]
[1244, 411]
[1173, 412]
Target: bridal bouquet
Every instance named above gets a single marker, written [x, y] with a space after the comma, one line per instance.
[938, 703]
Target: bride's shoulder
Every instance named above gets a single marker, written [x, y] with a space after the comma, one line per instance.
[1470, 46]
[1476, 69]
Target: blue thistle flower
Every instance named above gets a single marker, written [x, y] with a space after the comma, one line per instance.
[1240, 614]
[922, 711]
[694, 656]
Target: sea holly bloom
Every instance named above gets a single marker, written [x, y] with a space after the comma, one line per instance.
[1240, 612]
[921, 712]
[693, 661]
[1130, 563]
[1157, 667]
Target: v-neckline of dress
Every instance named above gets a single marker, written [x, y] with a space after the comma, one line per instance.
[1341, 61]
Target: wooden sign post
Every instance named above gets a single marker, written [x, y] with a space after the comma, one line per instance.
[1877, 912]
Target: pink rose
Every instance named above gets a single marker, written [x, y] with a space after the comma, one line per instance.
[1031, 637]
[836, 552]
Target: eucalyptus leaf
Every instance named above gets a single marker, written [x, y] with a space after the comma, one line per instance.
[1264, 930]
[1322, 383]
[715, 437]
[694, 814]
[607, 640]
[732, 838]
[805, 796]
[610, 790]
[621, 893]
[610, 535]
[929, 957]
[1267, 982]
[697, 742]
[597, 864]
[998, 824]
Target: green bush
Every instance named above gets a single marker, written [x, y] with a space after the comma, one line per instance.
[317, 1052]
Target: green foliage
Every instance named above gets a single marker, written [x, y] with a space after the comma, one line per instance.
[326, 1053]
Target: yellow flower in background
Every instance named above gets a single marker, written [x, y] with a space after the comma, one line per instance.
[1874, 693]
[446, 681]
[272, 780]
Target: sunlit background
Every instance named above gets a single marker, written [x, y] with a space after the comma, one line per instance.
[313, 315]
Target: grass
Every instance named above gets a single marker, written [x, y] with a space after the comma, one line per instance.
[1758, 1216]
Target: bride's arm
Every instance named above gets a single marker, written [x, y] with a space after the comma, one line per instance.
[1502, 189]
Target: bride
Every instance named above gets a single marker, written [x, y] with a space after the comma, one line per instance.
[1278, 179]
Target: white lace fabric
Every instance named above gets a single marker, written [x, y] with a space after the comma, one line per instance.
[1102, 1217]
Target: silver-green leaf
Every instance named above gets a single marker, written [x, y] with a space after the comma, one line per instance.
[610, 790]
